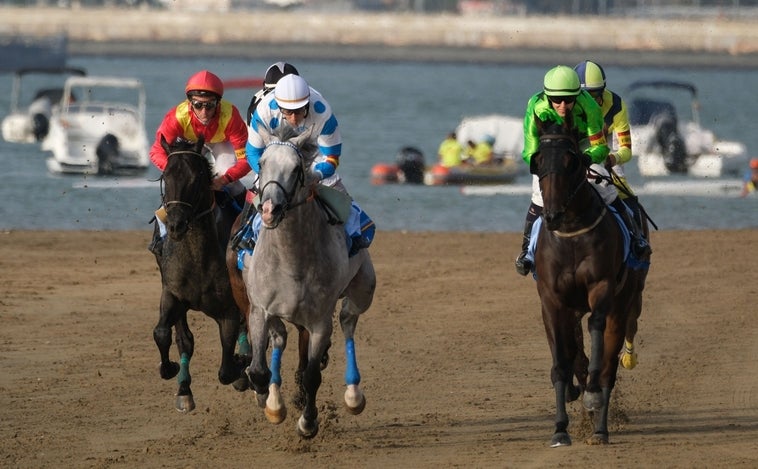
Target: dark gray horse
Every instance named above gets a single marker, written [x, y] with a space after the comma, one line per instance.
[298, 271]
[193, 270]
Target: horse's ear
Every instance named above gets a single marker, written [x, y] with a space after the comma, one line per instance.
[200, 143]
[164, 144]
[533, 164]
[539, 123]
[299, 140]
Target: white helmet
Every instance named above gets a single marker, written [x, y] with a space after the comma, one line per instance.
[292, 92]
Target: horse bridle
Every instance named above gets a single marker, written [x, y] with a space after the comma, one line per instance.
[194, 211]
[574, 151]
[299, 182]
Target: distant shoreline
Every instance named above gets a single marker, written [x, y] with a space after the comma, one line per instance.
[429, 54]
[301, 35]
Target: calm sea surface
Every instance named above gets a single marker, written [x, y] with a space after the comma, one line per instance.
[381, 107]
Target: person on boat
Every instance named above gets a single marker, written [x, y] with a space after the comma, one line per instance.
[616, 122]
[750, 181]
[562, 95]
[450, 151]
[481, 152]
[206, 113]
[273, 73]
[296, 104]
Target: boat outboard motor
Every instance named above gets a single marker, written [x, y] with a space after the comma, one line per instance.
[40, 126]
[673, 148]
[411, 165]
[107, 154]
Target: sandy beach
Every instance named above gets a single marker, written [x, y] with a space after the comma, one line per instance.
[453, 356]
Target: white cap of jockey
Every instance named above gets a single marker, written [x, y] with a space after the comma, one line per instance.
[292, 92]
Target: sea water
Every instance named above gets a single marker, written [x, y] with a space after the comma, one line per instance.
[381, 107]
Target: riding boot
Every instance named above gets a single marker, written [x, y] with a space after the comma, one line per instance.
[156, 245]
[524, 265]
[238, 240]
[640, 246]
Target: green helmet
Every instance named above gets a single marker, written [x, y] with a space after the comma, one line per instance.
[561, 81]
[591, 76]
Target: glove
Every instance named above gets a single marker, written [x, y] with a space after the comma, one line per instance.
[323, 170]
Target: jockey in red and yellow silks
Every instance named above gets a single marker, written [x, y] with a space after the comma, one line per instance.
[218, 121]
[220, 124]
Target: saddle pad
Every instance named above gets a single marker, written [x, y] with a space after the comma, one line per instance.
[338, 202]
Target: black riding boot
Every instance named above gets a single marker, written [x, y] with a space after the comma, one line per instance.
[524, 265]
[640, 247]
[246, 218]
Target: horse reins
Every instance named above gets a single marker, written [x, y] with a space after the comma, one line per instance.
[194, 214]
[289, 195]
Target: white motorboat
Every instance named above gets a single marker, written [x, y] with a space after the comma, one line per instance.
[99, 127]
[42, 88]
[667, 137]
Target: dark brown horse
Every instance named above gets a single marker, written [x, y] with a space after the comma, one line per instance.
[193, 271]
[580, 267]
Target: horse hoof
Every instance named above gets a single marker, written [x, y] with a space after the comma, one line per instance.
[593, 401]
[275, 416]
[597, 439]
[355, 401]
[305, 429]
[573, 393]
[275, 409]
[185, 404]
[629, 360]
[261, 399]
[169, 370]
[560, 439]
[242, 384]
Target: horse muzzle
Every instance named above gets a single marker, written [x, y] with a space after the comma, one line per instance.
[271, 213]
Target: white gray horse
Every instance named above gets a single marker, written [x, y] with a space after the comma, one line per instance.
[298, 271]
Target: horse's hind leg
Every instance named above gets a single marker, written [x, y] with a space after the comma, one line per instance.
[358, 299]
[355, 401]
[628, 357]
[581, 363]
[307, 424]
[613, 337]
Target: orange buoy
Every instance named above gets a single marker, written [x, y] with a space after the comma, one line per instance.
[439, 175]
[383, 173]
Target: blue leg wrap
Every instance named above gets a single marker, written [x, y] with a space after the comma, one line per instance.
[352, 376]
[183, 369]
[276, 365]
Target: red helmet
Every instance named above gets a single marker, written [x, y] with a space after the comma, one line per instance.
[204, 83]
[754, 163]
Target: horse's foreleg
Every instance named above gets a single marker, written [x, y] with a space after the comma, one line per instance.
[258, 371]
[614, 335]
[628, 357]
[275, 409]
[355, 401]
[170, 311]
[228, 328]
[559, 327]
[307, 424]
[600, 301]
[185, 342]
